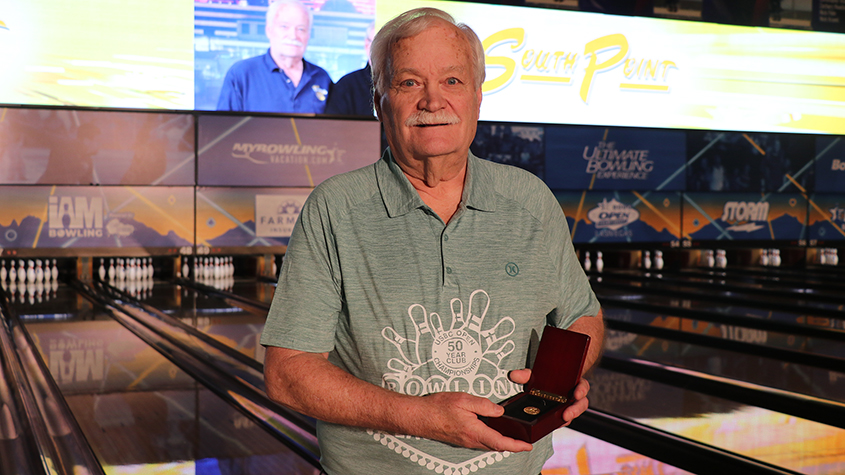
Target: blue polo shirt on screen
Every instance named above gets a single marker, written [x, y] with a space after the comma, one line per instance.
[258, 85]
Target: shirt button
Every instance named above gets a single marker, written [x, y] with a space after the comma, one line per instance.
[448, 270]
[445, 237]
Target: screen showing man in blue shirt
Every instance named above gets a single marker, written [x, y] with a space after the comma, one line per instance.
[279, 80]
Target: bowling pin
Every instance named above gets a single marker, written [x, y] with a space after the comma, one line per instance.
[21, 273]
[764, 257]
[776, 259]
[101, 272]
[30, 271]
[822, 256]
[121, 271]
[3, 273]
[587, 264]
[39, 271]
[717, 261]
[112, 272]
[13, 274]
[186, 269]
[834, 255]
[39, 291]
[658, 260]
[275, 267]
[54, 271]
[647, 260]
[599, 262]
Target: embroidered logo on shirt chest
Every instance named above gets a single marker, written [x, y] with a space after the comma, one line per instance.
[319, 92]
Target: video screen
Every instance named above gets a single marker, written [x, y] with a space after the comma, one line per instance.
[544, 66]
[281, 56]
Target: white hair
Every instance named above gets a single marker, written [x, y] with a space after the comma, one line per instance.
[412, 23]
[273, 10]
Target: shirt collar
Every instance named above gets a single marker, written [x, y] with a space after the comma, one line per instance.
[400, 197]
[272, 66]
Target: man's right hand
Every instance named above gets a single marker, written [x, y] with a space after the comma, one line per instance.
[452, 417]
[310, 384]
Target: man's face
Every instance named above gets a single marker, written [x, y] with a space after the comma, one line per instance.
[431, 106]
[289, 33]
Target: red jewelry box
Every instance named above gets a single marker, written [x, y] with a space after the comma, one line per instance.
[537, 411]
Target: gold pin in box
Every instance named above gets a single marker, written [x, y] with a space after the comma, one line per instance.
[533, 414]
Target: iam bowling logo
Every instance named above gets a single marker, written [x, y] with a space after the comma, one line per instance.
[75, 216]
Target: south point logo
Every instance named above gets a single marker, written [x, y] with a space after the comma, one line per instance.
[552, 65]
[288, 154]
[744, 215]
[75, 216]
[457, 353]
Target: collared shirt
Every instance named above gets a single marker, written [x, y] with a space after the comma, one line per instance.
[258, 85]
[402, 300]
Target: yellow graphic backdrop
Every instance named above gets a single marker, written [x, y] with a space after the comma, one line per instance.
[555, 66]
[128, 53]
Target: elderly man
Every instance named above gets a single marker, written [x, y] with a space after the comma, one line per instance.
[412, 288]
[279, 80]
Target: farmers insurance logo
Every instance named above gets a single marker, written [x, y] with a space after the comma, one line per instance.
[288, 154]
[610, 216]
[275, 215]
[548, 64]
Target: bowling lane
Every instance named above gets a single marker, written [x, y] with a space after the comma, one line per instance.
[779, 439]
[729, 351]
[219, 316]
[736, 282]
[677, 288]
[140, 412]
[806, 279]
[788, 330]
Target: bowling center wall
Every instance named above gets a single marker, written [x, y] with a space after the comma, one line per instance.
[652, 133]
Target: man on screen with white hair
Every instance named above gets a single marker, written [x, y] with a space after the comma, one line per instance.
[413, 289]
[279, 80]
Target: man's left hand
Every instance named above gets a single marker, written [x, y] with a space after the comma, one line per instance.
[521, 376]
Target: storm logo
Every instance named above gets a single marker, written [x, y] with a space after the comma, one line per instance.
[744, 214]
[3, 26]
[612, 214]
[75, 216]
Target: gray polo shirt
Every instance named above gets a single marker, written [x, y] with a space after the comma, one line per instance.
[373, 276]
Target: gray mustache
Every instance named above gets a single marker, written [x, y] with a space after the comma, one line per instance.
[431, 118]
